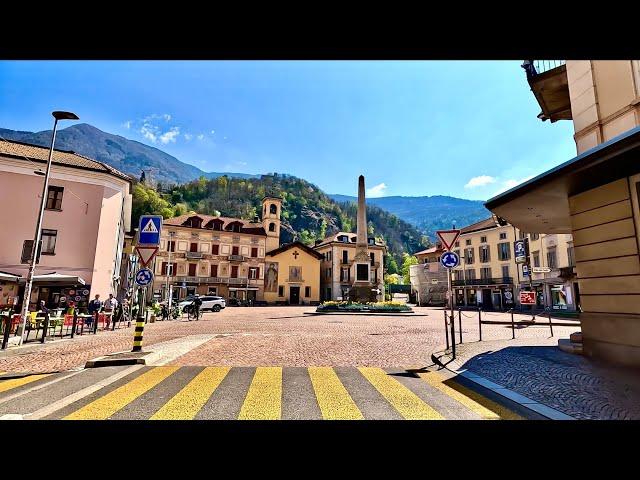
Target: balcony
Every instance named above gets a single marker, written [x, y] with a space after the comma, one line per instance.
[194, 255]
[236, 258]
[238, 281]
[484, 281]
[549, 84]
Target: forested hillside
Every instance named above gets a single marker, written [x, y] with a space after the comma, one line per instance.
[308, 213]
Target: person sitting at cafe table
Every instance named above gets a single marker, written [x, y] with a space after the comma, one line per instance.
[110, 305]
[43, 307]
[94, 307]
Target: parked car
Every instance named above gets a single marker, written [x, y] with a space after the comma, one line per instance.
[209, 303]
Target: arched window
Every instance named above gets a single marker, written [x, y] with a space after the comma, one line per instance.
[272, 227]
[273, 209]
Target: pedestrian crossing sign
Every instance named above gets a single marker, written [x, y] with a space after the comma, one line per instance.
[149, 229]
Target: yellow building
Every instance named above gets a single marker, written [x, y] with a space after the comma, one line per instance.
[292, 275]
[594, 196]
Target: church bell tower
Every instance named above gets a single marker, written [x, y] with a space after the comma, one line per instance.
[271, 209]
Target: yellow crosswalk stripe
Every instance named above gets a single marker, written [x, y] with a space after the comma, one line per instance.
[18, 382]
[407, 403]
[437, 381]
[106, 406]
[264, 398]
[186, 404]
[453, 386]
[333, 399]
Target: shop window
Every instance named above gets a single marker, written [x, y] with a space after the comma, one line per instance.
[307, 291]
[54, 198]
[49, 238]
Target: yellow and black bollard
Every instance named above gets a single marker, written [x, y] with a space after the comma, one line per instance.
[140, 320]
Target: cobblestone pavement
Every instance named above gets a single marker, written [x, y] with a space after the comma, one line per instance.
[278, 336]
[572, 384]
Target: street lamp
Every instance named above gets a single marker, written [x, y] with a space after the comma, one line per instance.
[36, 240]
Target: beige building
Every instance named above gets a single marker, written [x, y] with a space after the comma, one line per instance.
[429, 279]
[338, 266]
[87, 212]
[593, 196]
[292, 275]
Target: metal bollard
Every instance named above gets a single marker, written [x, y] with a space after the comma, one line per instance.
[460, 322]
[513, 327]
[446, 328]
[480, 322]
[7, 332]
[550, 324]
[45, 328]
[453, 337]
[95, 323]
[74, 325]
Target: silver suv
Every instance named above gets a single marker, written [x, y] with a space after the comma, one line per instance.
[209, 302]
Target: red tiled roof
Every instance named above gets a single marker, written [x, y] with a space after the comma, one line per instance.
[481, 225]
[247, 226]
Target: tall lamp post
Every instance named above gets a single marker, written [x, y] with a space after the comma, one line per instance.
[35, 250]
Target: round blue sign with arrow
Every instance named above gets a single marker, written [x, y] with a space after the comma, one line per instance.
[144, 277]
[449, 260]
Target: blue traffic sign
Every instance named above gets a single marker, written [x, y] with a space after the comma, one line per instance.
[144, 277]
[525, 271]
[449, 260]
[149, 228]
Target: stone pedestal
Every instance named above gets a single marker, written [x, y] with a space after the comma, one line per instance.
[362, 294]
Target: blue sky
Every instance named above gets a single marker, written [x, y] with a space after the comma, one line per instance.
[461, 128]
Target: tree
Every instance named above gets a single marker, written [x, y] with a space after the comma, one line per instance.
[407, 261]
[392, 265]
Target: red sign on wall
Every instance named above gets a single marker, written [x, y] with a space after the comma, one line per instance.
[528, 298]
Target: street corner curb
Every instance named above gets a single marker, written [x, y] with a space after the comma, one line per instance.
[524, 402]
[120, 359]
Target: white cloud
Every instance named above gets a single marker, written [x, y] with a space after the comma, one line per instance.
[170, 136]
[127, 124]
[148, 131]
[510, 183]
[377, 191]
[212, 132]
[188, 136]
[480, 181]
[201, 136]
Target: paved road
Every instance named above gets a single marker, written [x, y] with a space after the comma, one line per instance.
[172, 392]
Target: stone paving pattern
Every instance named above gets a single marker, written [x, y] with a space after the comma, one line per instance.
[274, 336]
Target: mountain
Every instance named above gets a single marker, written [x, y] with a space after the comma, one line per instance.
[126, 155]
[428, 213]
[308, 214]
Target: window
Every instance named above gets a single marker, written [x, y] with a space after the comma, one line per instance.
[272, 227]
[328, 297]
[217, 225]
[362, 272]
[49, 241]
[468, 256]
[505, 271]
[536, 259]
[484, 254]
[570, 258]
[193, 247]
[215, 249]
[552, 261]
[234, 271]
[27, 250]
[504, 251]
[468, 242]
[253, 272]
[254, 252]
[281, 290]
[235, 250]
[457, 244]
[329, 255]
[214, 270]
[483, 239]
[171, 267]
[171, 246]
[457, 252]
[373, 258]
[534, 236]
[345, 256]
[458, 275]
[503, 236]
[54, 198]
[192, 269]
[485, 273]
[328, 272]
[470, 274]
[307, 291]
[273, 209]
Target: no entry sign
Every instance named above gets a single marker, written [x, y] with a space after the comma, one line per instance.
[527, 298]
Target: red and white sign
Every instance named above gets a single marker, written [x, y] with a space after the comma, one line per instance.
[528, 298]
[146, 254]
[448, 237]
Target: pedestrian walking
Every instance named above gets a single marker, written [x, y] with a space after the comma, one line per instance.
[110, 305]
[197, 302]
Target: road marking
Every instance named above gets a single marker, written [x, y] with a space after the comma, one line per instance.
[18, 382]
[333, 399]
[105, 406]
[167, 352]
[403, 400]
[186, 404]
[437, 381]
[38, 387]
[264, 398]
[503, 412]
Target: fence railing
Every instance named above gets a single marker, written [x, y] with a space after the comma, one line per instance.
[538, 67]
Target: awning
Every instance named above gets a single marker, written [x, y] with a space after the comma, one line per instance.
[9, 277]
[56, 278]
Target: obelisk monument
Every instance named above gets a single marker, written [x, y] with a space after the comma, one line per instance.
[362, 287]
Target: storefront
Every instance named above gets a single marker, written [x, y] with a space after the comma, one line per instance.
[8, 290]
[57, 291]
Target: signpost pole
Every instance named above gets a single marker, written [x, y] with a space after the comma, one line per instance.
[137, 339]
[451, 317]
